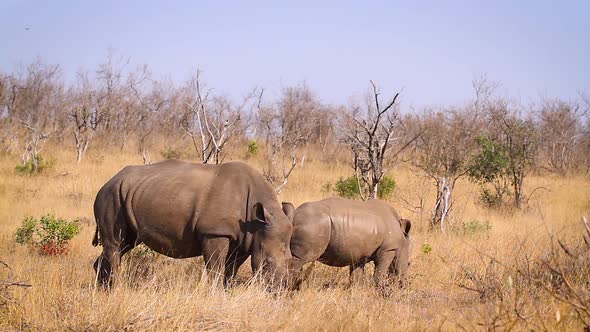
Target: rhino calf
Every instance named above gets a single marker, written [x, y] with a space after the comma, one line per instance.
[342, 232]
[225, 213]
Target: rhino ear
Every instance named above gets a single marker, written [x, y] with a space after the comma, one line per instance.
[406, 226]
[289, 210]
[260, 213]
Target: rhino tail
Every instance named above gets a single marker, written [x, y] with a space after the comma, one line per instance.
[96, 240]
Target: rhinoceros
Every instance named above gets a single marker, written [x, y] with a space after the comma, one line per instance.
[342, 232]
[224, 212]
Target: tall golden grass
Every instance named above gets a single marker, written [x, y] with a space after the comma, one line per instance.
[166, 294]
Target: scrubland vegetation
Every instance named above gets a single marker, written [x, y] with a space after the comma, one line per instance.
[495, 190]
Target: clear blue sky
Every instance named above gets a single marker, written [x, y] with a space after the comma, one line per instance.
[432, 49]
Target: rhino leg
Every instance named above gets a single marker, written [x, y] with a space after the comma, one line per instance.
[103, 267]
[357, 271]
[298, 274]
[107, 264]
[383, 261]
[232, 264]
[117, 239]
[215, 250]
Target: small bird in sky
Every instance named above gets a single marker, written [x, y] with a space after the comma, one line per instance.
[27, 28]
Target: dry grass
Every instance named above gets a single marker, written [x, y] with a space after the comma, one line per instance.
[166, 294]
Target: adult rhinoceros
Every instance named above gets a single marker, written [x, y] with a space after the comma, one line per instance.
[224, 212]
[343, 232]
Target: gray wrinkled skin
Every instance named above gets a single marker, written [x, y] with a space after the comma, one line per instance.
[224, 212]
[343, 232]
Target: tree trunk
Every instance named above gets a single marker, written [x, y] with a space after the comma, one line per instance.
[80, 154]
[517, 186]
[145, 155]
[374, 190]
[442, 205]
[82, 150]
[82, 143]
[35, 163]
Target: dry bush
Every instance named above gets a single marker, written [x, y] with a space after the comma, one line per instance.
[539, 288]
[8, 302]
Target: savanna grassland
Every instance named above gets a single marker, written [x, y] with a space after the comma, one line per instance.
[488, 270]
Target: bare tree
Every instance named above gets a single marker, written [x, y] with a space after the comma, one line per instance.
[165, 122]
[112, 102]
[560, 124]
[34, 144]
[151, 105]
[325, 132]
[446, 145]
[300, 113]
[585, 139]
[3, 92]
[83, 114]
[371, 135]
[210, 121]
[284, 129]
[106, 103]
[519, 138]
[33, 104]
[444, 149]
[5, 132]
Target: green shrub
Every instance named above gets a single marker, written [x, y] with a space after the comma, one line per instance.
[143, 251]
[386, 187]
[24, 234]
[28, 167]
[252, 148]
[492, 200]
[476, 227]
[170, 153]
[426, 248]
[349, 187]
[489, 168]
[142, 263]
[48, 235]
[490, 163]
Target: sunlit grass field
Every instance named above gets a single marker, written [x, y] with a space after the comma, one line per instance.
[479, 247]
